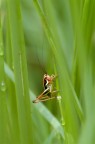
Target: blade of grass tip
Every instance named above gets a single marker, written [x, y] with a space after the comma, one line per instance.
[3, 104]
[20, 70]
[40, 107]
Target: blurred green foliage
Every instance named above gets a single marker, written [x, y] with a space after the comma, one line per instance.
[57, 37]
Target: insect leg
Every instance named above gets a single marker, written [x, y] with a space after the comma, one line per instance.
[49, 98]
[45, 92]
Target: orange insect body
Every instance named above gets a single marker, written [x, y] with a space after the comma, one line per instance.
[47, 80]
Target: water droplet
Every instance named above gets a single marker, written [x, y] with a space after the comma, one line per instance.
[3, 86]
[59, 98]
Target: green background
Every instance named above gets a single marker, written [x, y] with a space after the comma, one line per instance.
[57, 37]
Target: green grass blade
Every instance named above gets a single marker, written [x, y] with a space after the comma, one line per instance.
[20, 70]
[3, 93]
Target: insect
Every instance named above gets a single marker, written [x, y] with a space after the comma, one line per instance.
[49, 90]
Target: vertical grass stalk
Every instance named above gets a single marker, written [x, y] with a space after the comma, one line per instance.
[20, 70]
